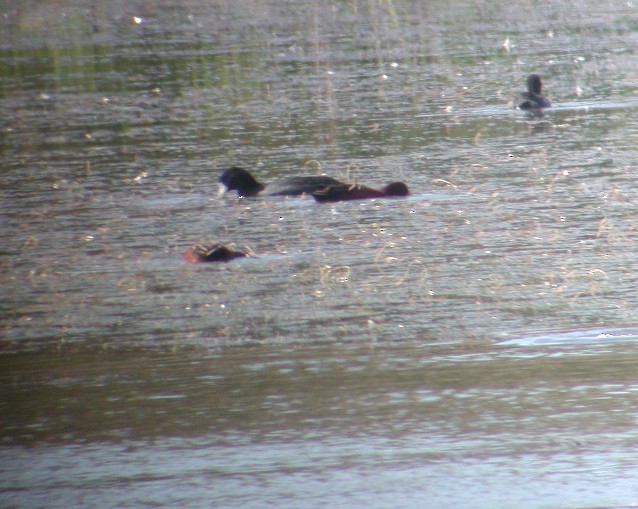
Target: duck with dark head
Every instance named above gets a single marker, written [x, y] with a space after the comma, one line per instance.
[533, 98]
[240, 180]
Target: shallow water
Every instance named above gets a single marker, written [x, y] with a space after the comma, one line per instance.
[470, 345]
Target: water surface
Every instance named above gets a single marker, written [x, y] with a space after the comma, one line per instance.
[470, 345]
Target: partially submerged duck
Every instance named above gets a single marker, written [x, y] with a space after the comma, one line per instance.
[533, 98]
[212, 252]
[343, 192]
[240, 180]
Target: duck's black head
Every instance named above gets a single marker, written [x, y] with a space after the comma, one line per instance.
[238, 179]
[534, 84]
[396, 189]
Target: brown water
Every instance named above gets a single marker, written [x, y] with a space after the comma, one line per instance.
[472, 345]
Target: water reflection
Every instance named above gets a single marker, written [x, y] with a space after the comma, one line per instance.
[271, 393]
[323, 414]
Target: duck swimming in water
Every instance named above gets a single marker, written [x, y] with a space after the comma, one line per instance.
[343, 192]
[240, 180]
[534, 99]
[212, 252]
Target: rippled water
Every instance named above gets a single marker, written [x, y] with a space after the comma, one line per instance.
[471, 345]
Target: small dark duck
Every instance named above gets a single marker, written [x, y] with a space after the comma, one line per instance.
[533, 98]
[213, 252]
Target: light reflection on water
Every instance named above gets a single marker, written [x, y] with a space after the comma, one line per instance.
[467, 346]
[199, 474]
[299, 427]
